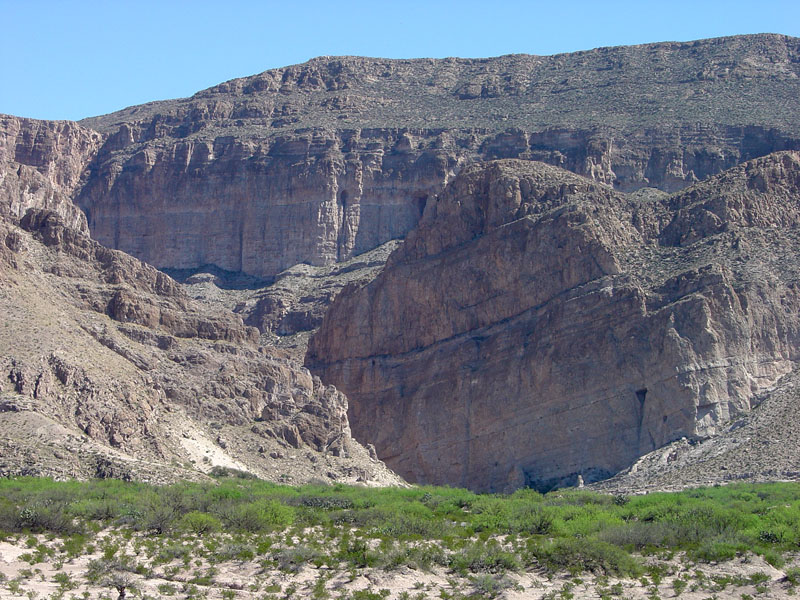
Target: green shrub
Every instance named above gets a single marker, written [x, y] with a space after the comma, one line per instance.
[39, 518]
[793, 575]
[322, 502]
[714, 551]
[200, 523]
[774, 558]
[484, 557]
[158, 519]
[235, 551]
[167, 589]
[490, 586]
[261, 515]
[531, 519]
[639, 535]
[420, 556]
[294, 558]
[96, 509]
[579, 555]
[229, 472]
[356, 553]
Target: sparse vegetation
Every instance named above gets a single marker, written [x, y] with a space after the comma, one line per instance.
[181, 533]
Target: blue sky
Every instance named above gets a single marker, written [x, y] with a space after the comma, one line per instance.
[73, 59]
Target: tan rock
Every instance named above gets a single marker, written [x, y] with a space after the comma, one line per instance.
[110, 369]
[319, 162]
[537, 327]
[41, 166]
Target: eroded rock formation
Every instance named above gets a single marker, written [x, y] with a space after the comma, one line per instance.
[110, 369]
[42, 164]
[538, 326]
[318, 162]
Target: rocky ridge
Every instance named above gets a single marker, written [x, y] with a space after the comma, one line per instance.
[110, 369]
[319, 162]
[538, 326]
[290, 308]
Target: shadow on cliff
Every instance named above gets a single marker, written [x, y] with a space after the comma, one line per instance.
[227, 280]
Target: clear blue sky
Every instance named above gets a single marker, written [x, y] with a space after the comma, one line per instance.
[69, 59]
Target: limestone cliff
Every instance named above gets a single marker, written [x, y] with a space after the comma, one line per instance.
[318, 162]
[538, 326]
[42, 164]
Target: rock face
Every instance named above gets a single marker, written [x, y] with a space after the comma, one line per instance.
[41, 166]
[110, 369]
[761, 446]
[538, 326]
[319, 162]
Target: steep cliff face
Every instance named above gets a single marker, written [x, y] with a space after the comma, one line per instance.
[318, 162]
[537, 326]
[41, 166]
[260, 206]
[109, 369]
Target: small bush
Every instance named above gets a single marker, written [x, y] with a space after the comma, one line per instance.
[323, 502]
[714, 551]
[484, 557]
[579, 555]
[263, 515]
[200, 523]
[356, 553]
[531, 519]
[158, 520]
[235, 551]
[639, 535]
[490, 586]
[38, 518]
[294, 558]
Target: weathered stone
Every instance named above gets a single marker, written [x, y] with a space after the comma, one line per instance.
[319, 162]
[537, 326]
[41, 165]
[108, 360]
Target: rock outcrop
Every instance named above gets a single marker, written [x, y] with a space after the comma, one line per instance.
[538, 326]
[319, 162]
[41, 166]
[110, 369]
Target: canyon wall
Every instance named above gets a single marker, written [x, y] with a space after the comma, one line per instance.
[318, 162]
[42, 164]
[538, 326]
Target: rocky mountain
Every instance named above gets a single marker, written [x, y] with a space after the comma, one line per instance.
[758, 446]
[599, 262]
[538, 326]
[318, 162]
[110, 369]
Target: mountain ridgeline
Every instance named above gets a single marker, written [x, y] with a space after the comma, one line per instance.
[320, 161]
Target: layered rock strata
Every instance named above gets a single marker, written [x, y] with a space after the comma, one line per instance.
[41, 166]
[319, 162]
[538, 326]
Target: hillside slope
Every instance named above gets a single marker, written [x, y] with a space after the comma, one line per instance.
[109, 369]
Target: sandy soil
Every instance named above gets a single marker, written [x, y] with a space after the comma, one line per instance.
[57, 576]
